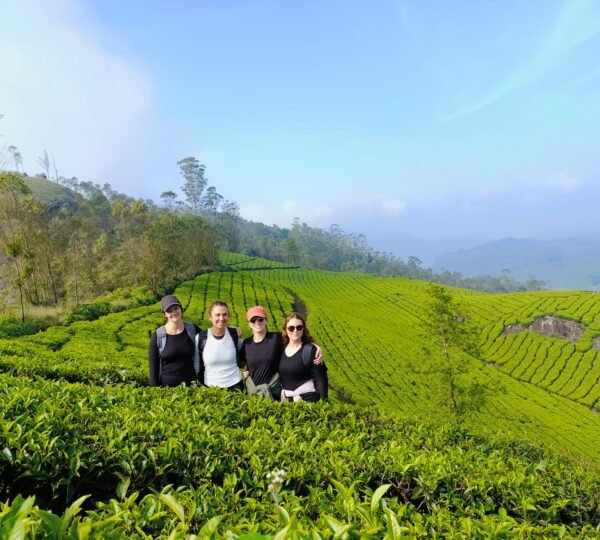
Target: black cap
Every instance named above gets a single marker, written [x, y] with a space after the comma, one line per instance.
[168, 301]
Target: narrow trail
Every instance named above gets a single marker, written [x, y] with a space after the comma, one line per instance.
[299, 306]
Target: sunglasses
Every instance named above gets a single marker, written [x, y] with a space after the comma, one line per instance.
[257, 319]
[298, 328]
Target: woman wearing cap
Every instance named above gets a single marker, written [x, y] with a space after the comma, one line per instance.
[219, 346]
[172, 351]
[261, 353]
[301, 378]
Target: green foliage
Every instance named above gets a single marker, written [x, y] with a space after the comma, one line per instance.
[347, 469]
[131, 297]
[96, 241]
[451, 342]
[90, 312]
[11, 327]
[88, 450]
[193, 173]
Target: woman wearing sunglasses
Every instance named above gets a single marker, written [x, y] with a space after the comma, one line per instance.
[261, 353]
[301, 378]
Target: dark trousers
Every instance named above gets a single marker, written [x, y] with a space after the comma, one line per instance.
[237, 387]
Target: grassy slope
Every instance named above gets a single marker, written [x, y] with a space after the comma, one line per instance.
[369, 328]
[62, 440]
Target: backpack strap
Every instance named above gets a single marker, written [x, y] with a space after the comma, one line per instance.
[307, 360]
[234, 335]
[201, 338]
[195, 337]
[161, 342]
[161, 338]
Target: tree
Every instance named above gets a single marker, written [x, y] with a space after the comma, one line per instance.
[18, 159]
[14, 250]
[193, 173]
[169, 199]
[211, 201]
[44, 162]
[13, 229]
[229, 224]
[452, 346]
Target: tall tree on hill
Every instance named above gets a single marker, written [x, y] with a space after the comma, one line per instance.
[452, 345]
[229, 227]
[44, 162]
[193, 173]
[169, 198]
[211, 202]
[14, 194]
[17, 157]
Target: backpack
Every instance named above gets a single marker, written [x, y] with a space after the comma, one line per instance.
[161, 342]
[202, 339]
[307, 361]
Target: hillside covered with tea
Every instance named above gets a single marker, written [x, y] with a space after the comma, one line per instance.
[87, 449]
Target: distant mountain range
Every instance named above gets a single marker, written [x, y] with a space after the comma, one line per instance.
[566, 263]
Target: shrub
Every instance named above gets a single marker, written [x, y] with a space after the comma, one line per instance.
[91, 312]
[11, 327]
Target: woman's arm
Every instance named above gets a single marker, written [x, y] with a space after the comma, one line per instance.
[154, 361]
[319, 356]
[320, 374]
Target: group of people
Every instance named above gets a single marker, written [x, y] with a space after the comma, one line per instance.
[286, 366]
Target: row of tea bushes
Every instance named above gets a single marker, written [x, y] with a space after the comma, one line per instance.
[123, 446]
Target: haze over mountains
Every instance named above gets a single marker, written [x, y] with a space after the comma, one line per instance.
[565, 263]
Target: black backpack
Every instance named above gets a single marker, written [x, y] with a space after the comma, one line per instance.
[161, 342]
[203, 338]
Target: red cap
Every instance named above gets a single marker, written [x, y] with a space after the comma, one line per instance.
[256, 311]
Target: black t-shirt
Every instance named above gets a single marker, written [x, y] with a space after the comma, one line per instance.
[262, 358]
[176, 362]
[293, 373]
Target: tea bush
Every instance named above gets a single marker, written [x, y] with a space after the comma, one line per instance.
[354, 472]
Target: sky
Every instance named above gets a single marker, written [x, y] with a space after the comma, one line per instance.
[401, 118]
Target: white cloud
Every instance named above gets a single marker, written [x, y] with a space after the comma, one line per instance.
[63, 92]
[283, 213]
[289, 206]
[394, 206]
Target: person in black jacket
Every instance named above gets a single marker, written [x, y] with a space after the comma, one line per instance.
[301, 379]
[173, 347]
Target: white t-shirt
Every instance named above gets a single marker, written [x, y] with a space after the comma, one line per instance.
[220, 361]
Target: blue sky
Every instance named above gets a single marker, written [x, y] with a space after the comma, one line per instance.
[391, 118]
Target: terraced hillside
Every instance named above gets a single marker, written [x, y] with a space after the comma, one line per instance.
[370, 330]
[88, 451]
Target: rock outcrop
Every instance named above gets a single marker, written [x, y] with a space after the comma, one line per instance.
[550, 325]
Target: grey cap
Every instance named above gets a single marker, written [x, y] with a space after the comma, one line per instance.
[167, 301]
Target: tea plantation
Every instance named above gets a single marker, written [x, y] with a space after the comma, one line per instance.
[88, 450]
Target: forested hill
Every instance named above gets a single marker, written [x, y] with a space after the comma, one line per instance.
[72, 241]
[70, 244]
